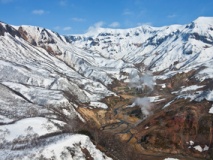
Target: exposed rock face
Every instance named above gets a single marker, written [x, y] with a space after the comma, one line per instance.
[24, 35]
[172, 130]
[42, 38]
[5, 28]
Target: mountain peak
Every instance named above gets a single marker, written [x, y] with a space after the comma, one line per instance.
[204, 20]
[202, 26]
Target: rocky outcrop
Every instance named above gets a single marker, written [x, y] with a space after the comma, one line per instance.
[42, 39]
[5, 28]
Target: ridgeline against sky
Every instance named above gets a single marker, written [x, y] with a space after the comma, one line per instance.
[75, 17]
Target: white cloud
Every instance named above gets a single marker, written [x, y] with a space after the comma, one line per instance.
[78, 19]
[67, 28]
[172, 16]
[38, 12]
[95, 26]
[114, 25]
[6, 1]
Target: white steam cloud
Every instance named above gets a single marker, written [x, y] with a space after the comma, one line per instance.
[140, 81]
[145, 105]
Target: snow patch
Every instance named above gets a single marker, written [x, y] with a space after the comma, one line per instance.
[211, 110]
[168, 104]
[191, 143]
[206, 148]
[98, 105]
[163, 85]
[190, 88]
[198, 148]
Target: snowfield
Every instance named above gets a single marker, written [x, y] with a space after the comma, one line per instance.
[28, 126]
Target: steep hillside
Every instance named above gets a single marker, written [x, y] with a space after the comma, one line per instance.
[34, 84]
[149, 89]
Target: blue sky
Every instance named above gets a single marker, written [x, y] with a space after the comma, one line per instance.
[77, 16]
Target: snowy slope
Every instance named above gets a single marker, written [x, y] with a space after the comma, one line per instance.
[32, 79]
[69, 147]
[35, 67]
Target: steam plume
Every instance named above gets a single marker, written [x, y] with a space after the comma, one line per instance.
[140, 81]
[144, 104]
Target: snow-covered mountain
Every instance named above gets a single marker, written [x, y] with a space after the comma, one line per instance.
[31, 80]
[40, 69]
[158, 48]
